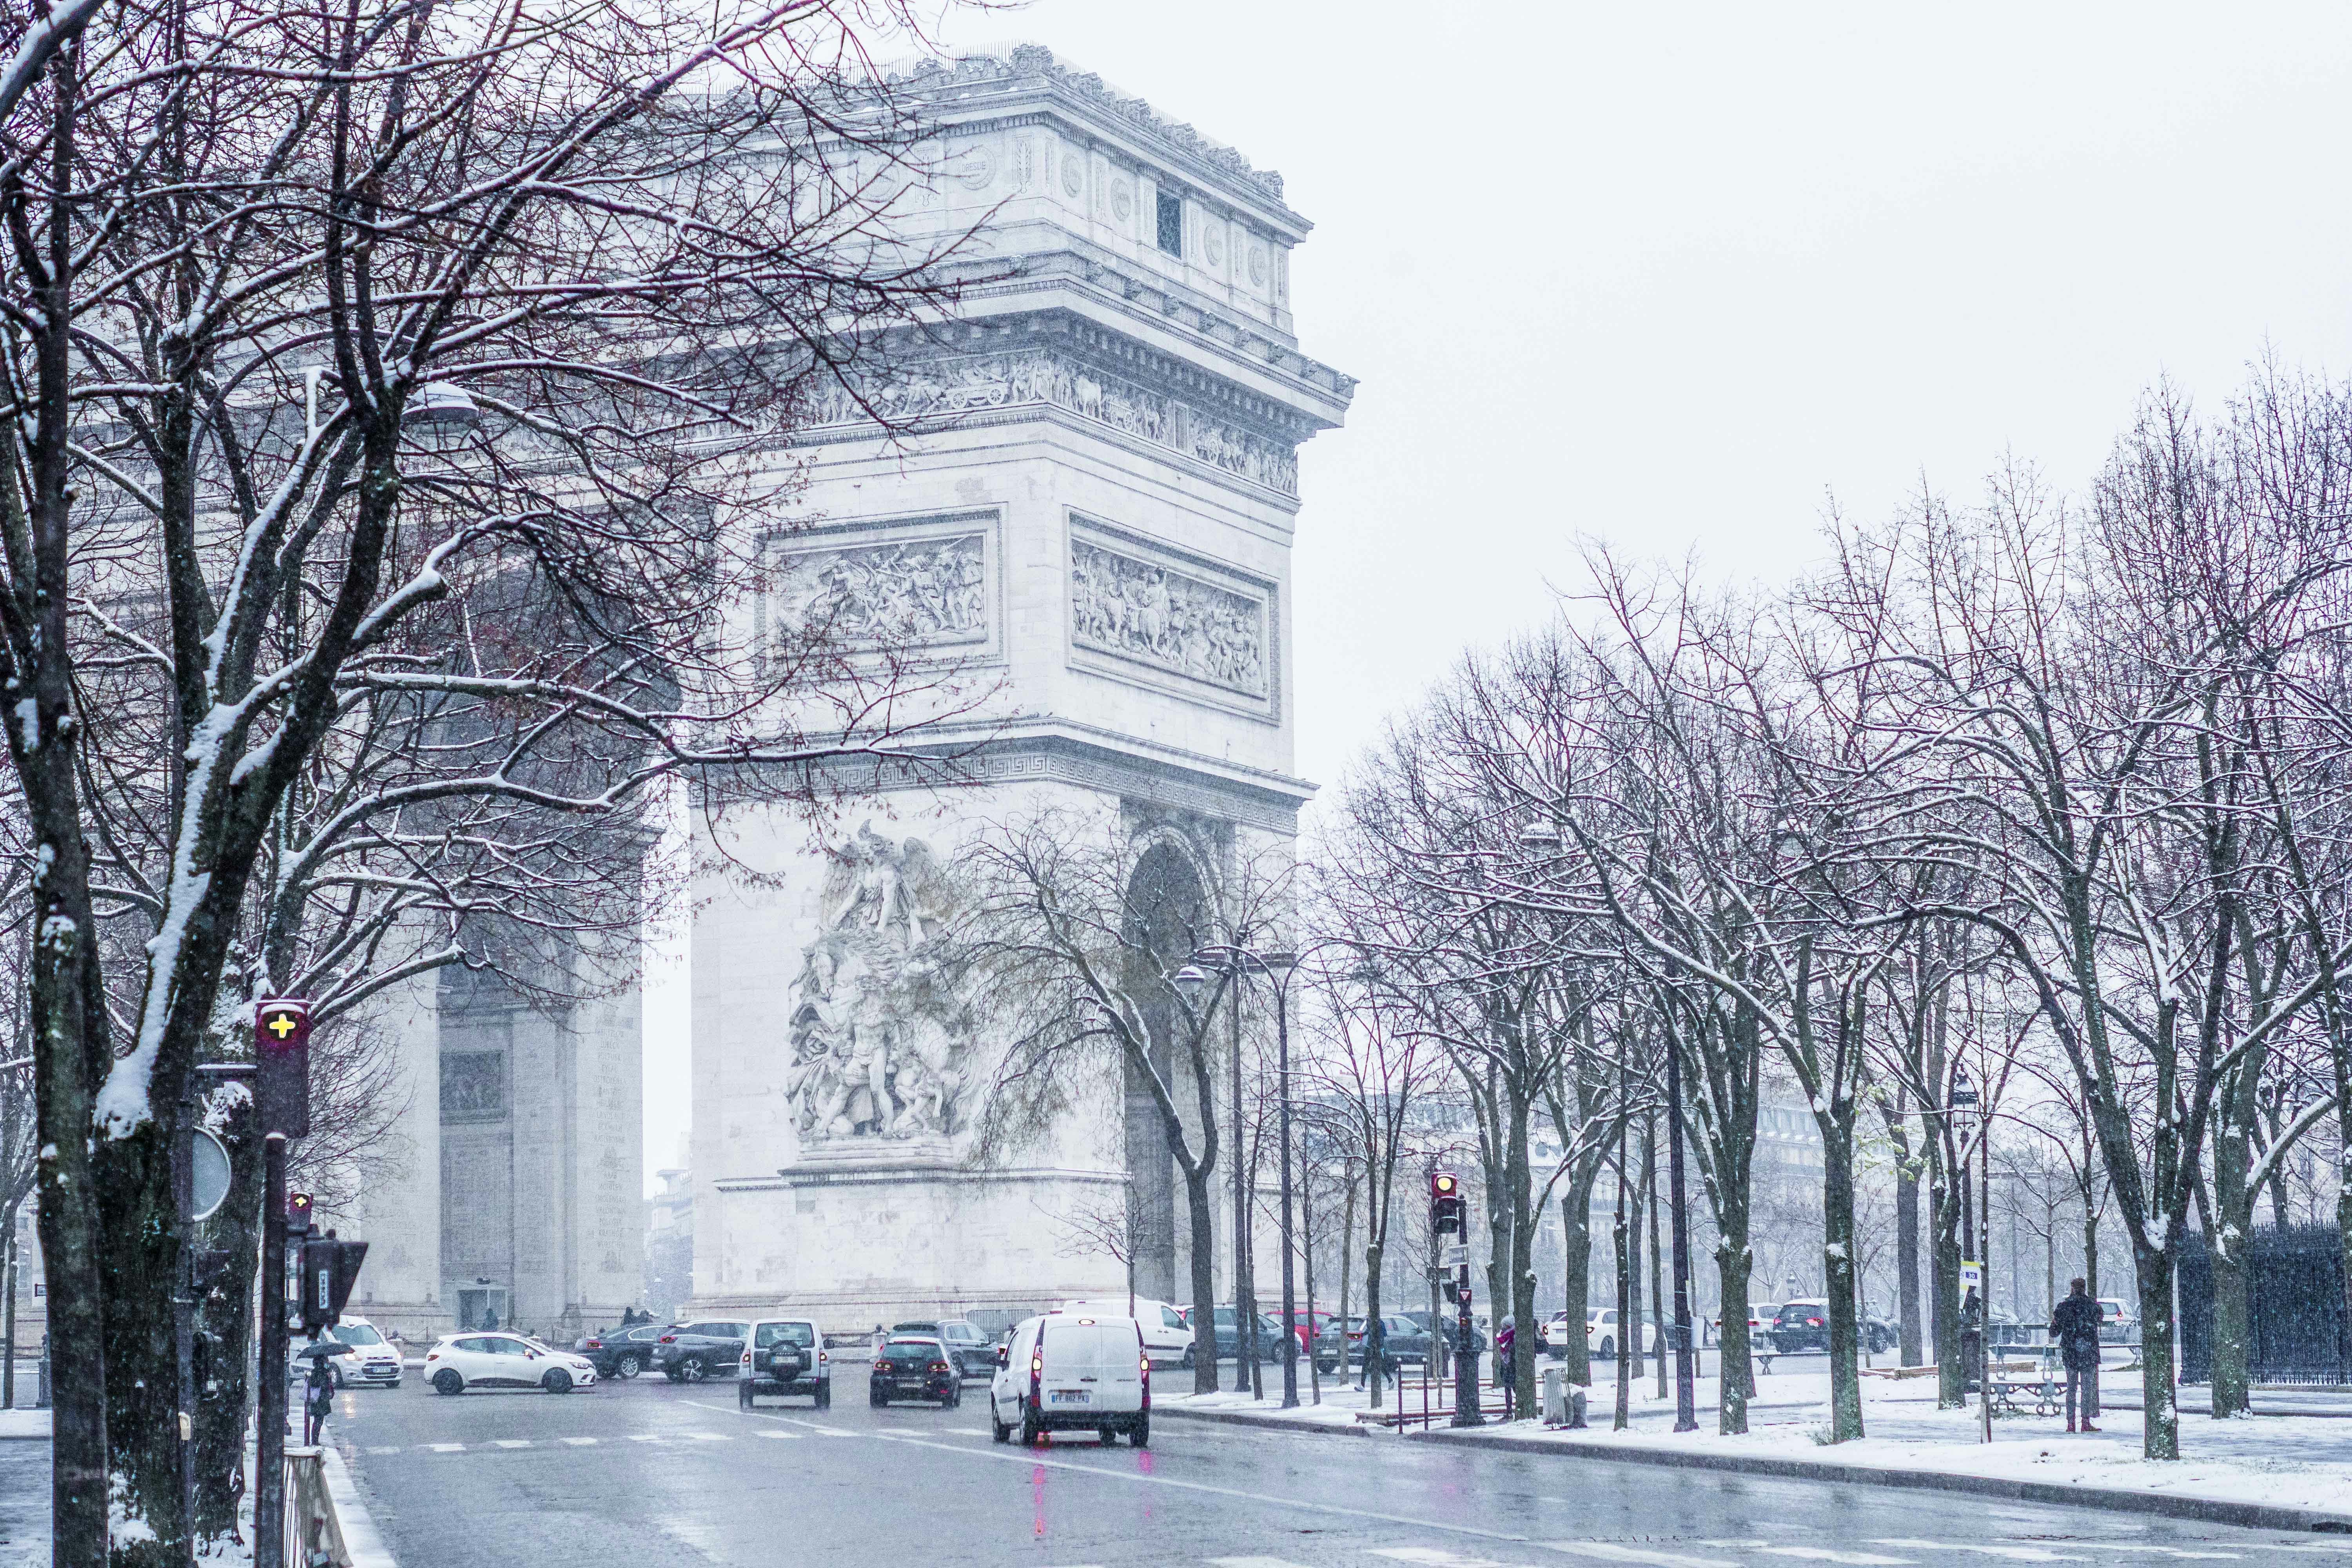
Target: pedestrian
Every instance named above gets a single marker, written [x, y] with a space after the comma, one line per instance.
[881, 1338]
[490, 1316]
[1506, 1343]
[2074, 1325]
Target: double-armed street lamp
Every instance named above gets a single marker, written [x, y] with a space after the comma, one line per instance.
[1279, 966]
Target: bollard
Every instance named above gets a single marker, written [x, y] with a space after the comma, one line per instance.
[44, 1373]
[1555, 1396]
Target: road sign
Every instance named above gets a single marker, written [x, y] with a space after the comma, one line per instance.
[281, 1043]
[209, 1162]
[1457, 1255]
[1971, 1276]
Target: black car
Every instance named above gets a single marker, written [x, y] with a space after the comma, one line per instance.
[623, 1353]
[969, 1345]
[1402, 1341]
[1229, 1335]
[690, 1352]
[1801, 1325]
[915, 1367]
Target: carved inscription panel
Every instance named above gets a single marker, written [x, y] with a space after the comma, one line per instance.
[915, 591]
[1153, 614]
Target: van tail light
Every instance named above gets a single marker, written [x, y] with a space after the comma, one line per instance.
[823, 1357]
[1036, 1367]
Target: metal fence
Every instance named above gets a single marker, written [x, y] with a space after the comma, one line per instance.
[2294, 1285]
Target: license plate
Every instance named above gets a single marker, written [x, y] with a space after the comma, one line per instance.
[911, 1382]
[1073, 1396]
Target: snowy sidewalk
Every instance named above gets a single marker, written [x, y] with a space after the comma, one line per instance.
[2287, 1471]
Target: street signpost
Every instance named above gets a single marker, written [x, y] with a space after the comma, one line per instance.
[281, 1100]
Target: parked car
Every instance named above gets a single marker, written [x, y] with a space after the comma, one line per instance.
[1760, 1315]
[1167, 1335]
[690, 1352]
[2118, 1324]
[1601, 1334]
[498, 1360]
[1307, 1325]
[1801, 1325]
[783, 1355]
[1402, 1341]
[974, 1352]
[914, 1366]
[1068, 1370]
[997, 1322]
[623, 1353]
[1880, 1334]
[1229, 1335]
[373, 1363]
[1448, 1326]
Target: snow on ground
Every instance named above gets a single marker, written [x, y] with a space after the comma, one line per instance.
[2296, 1461]
[24, 1424]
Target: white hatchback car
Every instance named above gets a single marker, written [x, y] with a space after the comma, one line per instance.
[498, 1360]
[372, 1364]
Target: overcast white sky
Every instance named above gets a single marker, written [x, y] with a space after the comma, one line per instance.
[1667, 275]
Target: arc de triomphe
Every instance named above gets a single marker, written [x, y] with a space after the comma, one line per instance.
[1100, 522]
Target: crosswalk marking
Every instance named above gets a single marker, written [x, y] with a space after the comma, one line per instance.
[836, 1432]
[447, 1448]
[706, 1437]
[780, 1437]
[2008, 1553]
[394, 1449]
[1262, 1562]
[580, 1442]
[510, 1443]
[1432, 1557]
[1825, 1554]
[1610, 1551]
[646, 1436]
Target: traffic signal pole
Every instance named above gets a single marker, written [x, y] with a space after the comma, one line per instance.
[269, 1460]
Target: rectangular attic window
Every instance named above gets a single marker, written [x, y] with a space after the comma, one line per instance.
[1172, 223]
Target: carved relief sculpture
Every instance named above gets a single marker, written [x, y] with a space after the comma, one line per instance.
[1141, 610]
[999, 381]
[913, 592]
[878, 1040]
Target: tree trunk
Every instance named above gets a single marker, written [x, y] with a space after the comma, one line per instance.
[2162, 1416]
[140, 1234]
[2232, 1217]
[1951, 1376]
[1735, 1385]
[1907, 1256]
[1838, 1273]
[1629, 1321]
[2090, 1282]
[1523, 1261]
[1201, 1203]
[1576, 1281]
[1375, 1332]
[1661, 1304]
[1620, 1235]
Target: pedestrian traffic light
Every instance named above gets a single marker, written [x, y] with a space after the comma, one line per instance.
[1444, 1203]
[281, 1044]
[297, 1212]
[329, 1269]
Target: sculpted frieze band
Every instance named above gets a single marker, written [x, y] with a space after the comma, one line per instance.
[1037, 376]
[1143, 610]
[916, 591]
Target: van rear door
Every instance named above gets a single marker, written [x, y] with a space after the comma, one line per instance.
[1077, 1367]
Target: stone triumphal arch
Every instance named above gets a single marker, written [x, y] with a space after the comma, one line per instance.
[1097, 515]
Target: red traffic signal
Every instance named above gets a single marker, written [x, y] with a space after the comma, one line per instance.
[281, 1044]
[330, 1269]
[1444, 1203]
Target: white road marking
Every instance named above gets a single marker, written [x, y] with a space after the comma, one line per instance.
[510, 1443]
[780, 1437]
[706, 1437]
[1430, 1556]
[1263, 1562]
[1610, 1551]
[646, 1436]
[1825, 1554]
[2009, 1553]
[580, 1442]
[393, 1448]
[447, 1448]
[834, 1431]
[2179, 1551]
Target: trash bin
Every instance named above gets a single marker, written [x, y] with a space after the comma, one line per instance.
[1555, 1395]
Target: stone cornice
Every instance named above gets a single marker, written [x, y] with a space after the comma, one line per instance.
[991, 86]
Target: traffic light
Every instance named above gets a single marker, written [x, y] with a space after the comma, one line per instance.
[330, 1269]
[297, 1212]
[281, 1044]
[1444, 1203]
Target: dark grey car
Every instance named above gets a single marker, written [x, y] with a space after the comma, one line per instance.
[693, 1351]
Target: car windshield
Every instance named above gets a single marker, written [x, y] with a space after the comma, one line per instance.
[357, 1334]
[913, 1350]
[799, 1334]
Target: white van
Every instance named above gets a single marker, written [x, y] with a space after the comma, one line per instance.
[1072, 1371]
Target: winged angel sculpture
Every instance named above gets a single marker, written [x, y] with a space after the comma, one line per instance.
[878, 1034]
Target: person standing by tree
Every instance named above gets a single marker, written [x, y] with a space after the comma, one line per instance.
[2074, 1327]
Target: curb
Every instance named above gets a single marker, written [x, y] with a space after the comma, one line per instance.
[352, 1520]
[2170, 1505]
[1278, 1422]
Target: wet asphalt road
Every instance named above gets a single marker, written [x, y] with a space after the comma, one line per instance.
[647, 1473]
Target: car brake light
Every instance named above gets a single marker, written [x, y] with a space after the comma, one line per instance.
[1813, 1323]
[595, 1344]
[747, 1358]
[821, 1358]
[939, 1366]
[669, 1339]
